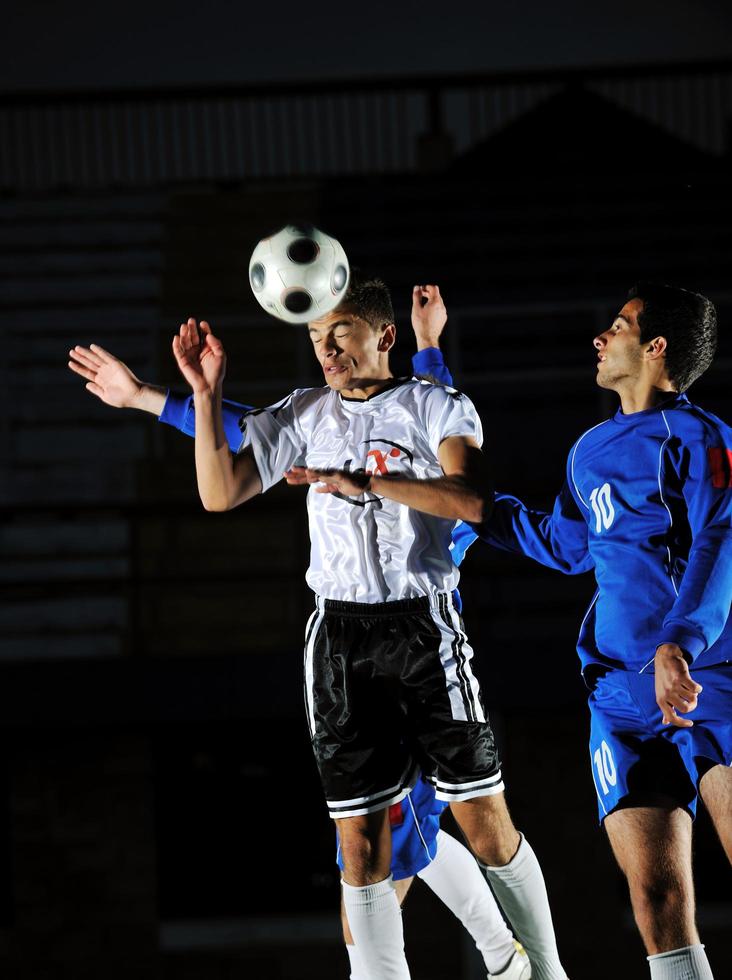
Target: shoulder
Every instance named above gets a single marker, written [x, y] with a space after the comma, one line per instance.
[298, 400]
[596, 433]
[691, 424]
[435, 395]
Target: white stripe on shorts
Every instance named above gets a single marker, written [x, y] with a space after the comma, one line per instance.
[338, 809]
[457, 792]
[455, 655]
[311, 633]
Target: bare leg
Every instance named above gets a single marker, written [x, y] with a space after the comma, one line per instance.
[365, 848]
[715, 789]
[370, 898]
[652, 845]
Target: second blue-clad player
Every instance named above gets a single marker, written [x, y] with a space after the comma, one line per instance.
[647, 504]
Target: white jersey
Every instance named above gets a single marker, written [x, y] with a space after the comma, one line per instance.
[367, 548]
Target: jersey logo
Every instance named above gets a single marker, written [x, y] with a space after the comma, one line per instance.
[602, 507]
[720, 463]
[377, 460]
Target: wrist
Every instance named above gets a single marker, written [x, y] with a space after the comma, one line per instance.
[670, 651]
[148, 398]
[426, 342]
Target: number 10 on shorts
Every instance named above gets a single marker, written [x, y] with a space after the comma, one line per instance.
[606, 772]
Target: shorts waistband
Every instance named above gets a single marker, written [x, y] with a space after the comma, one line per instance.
[398, 607]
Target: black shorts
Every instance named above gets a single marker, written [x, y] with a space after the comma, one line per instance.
[389, 689]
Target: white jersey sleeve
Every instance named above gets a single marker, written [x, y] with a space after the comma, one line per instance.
[450, 413]
[275, 438]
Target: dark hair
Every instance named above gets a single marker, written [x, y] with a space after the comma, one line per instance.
[369, 298]
[687, 320]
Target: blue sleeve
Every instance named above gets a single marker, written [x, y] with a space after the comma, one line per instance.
[179, 412]
[702, 606]
[430, 362]
[463, 536]
[557, 540]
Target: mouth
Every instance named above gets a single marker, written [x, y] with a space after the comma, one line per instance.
[331, 370]
[600, 358]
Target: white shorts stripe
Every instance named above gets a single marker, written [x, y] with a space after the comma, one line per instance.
[455, 656]
[455, 796]
[338, 809]
[467, 655]
[311, 633]
[495, 778]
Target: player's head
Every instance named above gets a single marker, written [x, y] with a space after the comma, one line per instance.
[353, 342]
[665, 334]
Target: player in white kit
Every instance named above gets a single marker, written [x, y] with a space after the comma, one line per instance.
[388, 680]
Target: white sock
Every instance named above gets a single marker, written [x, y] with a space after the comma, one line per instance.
[688, 963]
[357, 970]
[455, 878]
[376, 926]
[520, 889]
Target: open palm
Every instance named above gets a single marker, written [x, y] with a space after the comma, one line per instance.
[200, 356]
[107, 377]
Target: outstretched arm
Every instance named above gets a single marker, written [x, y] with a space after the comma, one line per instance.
[112, 381]
[464, 492]
[557, 539]
[223, 481]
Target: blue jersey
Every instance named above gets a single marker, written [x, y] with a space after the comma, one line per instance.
[647, 504]
[415, 825]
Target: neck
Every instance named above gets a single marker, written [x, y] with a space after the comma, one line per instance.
[641, 397]
[363, 388]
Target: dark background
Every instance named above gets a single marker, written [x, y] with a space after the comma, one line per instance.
[160, 815]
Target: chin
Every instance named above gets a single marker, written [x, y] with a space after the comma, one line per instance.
[336, 381]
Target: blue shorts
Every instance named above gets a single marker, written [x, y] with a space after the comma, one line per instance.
[636, 758]
[414, 826]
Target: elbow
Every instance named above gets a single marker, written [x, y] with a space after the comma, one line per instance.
[479, 509]
[215, 505]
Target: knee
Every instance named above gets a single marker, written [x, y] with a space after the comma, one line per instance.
[658, 898]
[488, 829]
[364, 857]
[497, 849]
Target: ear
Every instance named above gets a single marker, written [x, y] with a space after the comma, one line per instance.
[656, 348]
[387, 338]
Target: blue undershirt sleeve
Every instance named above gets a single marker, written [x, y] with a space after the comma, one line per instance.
[431, 362]
[702, 606]
[179, 412]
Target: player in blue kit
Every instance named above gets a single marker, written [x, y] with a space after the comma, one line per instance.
[419, 847]
[647, 504]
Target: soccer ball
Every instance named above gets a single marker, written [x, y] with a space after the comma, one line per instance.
[299, 273]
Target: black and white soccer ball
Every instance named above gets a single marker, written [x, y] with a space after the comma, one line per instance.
[299, 273]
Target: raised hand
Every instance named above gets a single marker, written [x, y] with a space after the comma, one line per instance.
[429, 316]
[675, 689]
[107, 377]
[200, 356]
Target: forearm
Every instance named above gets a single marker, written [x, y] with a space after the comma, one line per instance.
[452, 497]
[214, 462]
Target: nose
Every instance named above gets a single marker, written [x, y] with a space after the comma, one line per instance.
[599, 342]
[330, 346]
